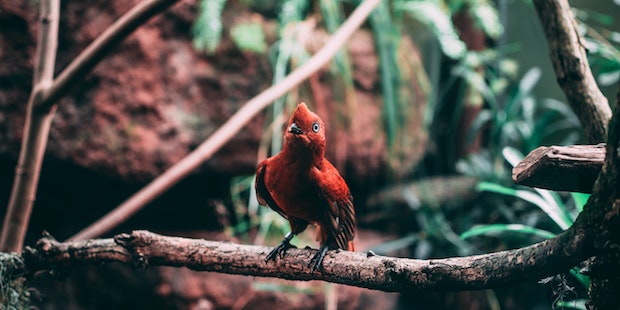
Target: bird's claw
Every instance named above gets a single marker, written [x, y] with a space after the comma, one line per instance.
[280, 250]
[316, 263]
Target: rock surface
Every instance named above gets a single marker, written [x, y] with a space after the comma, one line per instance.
[155, 98]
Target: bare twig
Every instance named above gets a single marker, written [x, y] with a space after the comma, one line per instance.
[143, 248]
[572, 69]
[36, 131]
[227, 131]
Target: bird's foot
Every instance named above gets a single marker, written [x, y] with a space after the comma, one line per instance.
[316, 263]
[280, 250]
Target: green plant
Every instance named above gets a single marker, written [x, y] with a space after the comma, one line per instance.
[602, 44]
[249, 37]
[521, 121]
[14, 291]
[207, 28]
[562, 212]
[514, 121]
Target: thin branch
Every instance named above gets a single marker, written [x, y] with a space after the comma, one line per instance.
[47, 43]
[227, 131]
[572, 69]
[101, 47]
[36, 131]
[143, 248]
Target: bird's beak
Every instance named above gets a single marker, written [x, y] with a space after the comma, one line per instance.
[294, 129]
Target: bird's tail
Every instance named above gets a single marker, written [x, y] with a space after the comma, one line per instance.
[322, 237]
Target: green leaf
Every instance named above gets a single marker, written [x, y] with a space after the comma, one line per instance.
[292, 11]
[580, 200]
[276, 287]
[496, 188]
[249, 37]
[579, 304]
[207, 28]
[512, 155]
[583, 279]
[386, 43]
[395, 245]
[526, 85]
[609, 78]
[496, 229]
[590, 15]
[343, 87]
[484, 117]
[547, 204]
[430, 14]
[486, 17]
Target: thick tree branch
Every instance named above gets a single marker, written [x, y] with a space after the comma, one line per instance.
[229, 129]
[143, 248]
[572, 69]
[562, 168]
[36, 132]
[603, 209]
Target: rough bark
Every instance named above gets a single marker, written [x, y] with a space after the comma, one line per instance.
[604, 216]
[572, 69]
[562, 168]
[143, 248]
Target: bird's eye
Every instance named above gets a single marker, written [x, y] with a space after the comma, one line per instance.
[316, 127]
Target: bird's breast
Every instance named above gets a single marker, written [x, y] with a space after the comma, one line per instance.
[293, 191]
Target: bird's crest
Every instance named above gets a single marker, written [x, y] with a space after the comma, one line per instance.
[306, 128]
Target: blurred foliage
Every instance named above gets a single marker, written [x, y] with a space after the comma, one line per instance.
[515, 118]
[602, 44]
[207, 29]
[386, 22]
[249, 37]
[14, 293]
[515, 122]
[432, 16]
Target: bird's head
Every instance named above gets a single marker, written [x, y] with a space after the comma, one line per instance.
[305, 129]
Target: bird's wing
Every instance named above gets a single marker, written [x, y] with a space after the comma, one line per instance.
[339, 213]
[262, 193]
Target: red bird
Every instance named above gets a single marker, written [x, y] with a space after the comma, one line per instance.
[304, 187]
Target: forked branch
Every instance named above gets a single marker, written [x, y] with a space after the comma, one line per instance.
[36, 132]
[43, 103]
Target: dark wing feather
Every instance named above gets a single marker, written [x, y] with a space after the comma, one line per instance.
[339, 213]
[262, 193]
